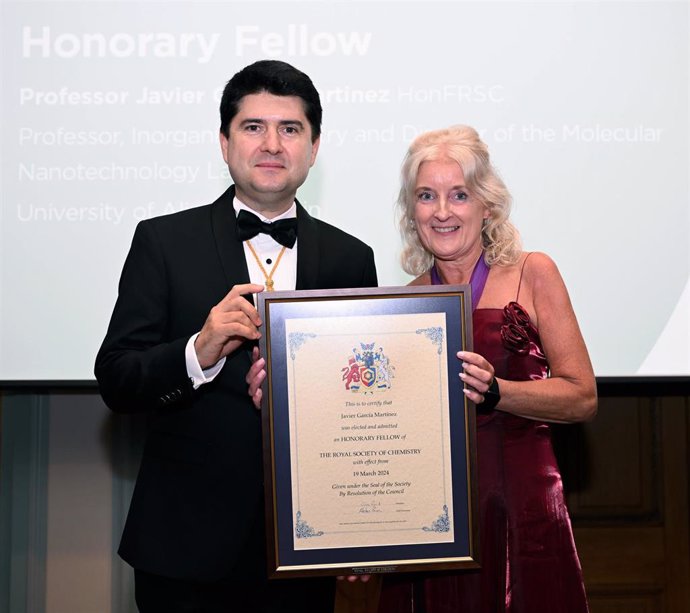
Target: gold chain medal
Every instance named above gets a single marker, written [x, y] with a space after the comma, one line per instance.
[268, 276]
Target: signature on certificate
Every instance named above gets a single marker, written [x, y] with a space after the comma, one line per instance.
[370, 507]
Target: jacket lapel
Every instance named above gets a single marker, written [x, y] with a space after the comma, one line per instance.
[230, 253]
[230, 250]
[307, 250]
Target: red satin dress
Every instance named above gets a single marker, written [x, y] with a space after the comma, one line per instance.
[528, 557]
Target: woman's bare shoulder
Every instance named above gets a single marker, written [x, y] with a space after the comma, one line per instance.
[538, 267]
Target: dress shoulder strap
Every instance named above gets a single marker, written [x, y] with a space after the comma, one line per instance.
[522, 270]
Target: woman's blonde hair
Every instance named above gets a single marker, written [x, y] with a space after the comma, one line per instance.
[462, 144]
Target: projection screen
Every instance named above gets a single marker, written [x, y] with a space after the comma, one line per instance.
[110, 116]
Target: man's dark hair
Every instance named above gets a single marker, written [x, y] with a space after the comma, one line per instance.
[277, 78]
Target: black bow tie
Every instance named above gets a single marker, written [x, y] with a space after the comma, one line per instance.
[283, 231]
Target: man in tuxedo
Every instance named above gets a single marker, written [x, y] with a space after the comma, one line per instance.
[179, 348]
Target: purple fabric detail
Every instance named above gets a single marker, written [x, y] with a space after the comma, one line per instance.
[477, 280]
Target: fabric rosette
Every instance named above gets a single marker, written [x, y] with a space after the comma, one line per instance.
[514, 331]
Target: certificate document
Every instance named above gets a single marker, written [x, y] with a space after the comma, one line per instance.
[370, 451]
[369, 442]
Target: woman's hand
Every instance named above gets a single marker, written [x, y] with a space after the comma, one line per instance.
[477, 375]
[255, 377]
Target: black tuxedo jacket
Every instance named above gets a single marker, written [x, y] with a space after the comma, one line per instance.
[198, 495]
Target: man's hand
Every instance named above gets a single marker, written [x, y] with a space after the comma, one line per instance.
[232, 321]
[255, 376]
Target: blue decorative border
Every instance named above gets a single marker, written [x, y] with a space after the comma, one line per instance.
[295, 341]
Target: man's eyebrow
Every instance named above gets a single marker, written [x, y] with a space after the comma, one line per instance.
[291, 122]
[282, 122]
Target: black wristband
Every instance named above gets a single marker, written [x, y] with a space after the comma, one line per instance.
[492, 396]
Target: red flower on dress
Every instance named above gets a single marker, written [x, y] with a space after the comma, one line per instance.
[514, 331]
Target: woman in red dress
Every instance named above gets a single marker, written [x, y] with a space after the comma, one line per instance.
[529, 367]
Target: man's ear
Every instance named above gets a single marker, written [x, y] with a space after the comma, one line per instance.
[224, 142]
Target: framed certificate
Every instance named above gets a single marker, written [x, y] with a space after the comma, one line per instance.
[369, 442]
